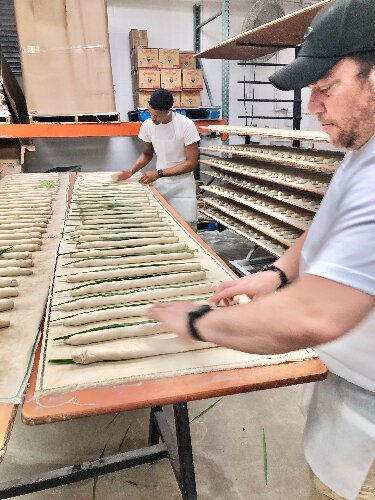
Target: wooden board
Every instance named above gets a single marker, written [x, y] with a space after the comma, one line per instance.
[7, 416]
[298, 135]
[287, 30]
[104, 400]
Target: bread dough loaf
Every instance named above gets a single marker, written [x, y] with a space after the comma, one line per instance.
[126, 226]
[113, 221]
[6, 304]
[121, 236]
[23, 247]
[143, 329]
[106, 314]
[19, 236]
[128, 272]
[5, 282]
[103, 231]
[14, 271]
[15, 242]
[23, 228]
[10, 291]
[15, 255]
[16, 263]
[135, 349]
[145, 249]
[134, 259]
[127, 284]
[148, 295]
[128, 243]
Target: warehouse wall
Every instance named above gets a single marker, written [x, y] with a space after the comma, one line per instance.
[169, 25]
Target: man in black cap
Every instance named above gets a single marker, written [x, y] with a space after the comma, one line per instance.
[174, 139]
[330, 301]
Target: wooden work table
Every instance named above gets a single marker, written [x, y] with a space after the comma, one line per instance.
[39, 409]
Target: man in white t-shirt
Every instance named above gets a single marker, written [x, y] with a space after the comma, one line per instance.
[174, 138]
[330, 301]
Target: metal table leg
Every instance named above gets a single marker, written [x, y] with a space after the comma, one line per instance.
[176, 448]
[185, 452]
[179, 448]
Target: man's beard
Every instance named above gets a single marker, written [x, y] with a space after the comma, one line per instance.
[361, 125]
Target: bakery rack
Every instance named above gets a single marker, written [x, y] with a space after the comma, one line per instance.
[266, 194]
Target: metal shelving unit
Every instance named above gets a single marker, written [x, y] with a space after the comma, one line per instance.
[225, 28]
[266, 194]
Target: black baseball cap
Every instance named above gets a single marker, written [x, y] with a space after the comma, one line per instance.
[341, 28]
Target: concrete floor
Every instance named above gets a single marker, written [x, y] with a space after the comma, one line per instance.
[227, 443]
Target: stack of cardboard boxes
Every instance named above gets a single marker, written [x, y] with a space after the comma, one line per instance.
[166, 68]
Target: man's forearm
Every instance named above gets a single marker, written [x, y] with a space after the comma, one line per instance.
[141, 162]
[273, 324]
[180, 168]
[289, 261]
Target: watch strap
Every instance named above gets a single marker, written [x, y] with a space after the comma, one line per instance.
[160, 173]
[193, 316]
[280, 272]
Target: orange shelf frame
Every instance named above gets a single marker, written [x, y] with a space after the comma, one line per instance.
[45, 130]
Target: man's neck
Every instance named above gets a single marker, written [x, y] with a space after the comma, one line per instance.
[168, 119]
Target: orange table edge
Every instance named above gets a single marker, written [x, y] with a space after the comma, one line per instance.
[39, 409]
[45, 130]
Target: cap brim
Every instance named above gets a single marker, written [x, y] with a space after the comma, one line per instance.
[303, 71]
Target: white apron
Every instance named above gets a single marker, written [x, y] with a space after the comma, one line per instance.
[179, 190]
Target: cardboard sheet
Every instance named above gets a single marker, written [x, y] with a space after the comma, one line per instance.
[64, 48]
[18, 342]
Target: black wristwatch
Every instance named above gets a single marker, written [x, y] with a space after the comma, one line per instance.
[193, 316]
[280, 272]
[160, 173]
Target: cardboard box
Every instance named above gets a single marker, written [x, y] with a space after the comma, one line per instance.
[190, 99]
[11, 158]
[66, 64]
[146, 79]
[192, 79]
[143, 57]
[169, 58]
[176, 99]
[141, 99]
[137, 38]
[170, 79]
[187, 60]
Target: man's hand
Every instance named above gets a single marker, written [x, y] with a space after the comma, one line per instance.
[124, 175]
[148, 177]
[254, 286]
[174, 316]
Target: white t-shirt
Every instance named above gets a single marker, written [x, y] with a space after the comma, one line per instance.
[180, 132]
[340, 246]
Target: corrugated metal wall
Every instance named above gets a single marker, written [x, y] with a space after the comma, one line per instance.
[8, 36]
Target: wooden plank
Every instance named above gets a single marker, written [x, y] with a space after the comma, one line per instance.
[7, 416]
[287, 30]
[274, 133]
[124, 397]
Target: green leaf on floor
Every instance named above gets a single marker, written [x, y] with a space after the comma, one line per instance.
[205, 411]
[265, 460]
